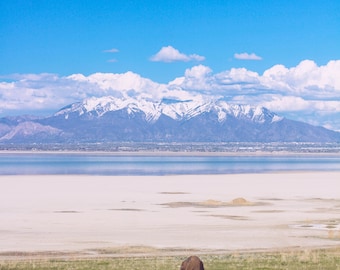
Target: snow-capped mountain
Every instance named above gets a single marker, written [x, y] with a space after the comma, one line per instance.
[112, 119]
[176, 109]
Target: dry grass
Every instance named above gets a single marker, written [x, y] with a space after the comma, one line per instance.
[287, 259]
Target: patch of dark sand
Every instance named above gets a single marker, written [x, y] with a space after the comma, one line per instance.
[330, 226]
[333, 222]
[67, 212]
[231, 217]
[323, 200]
[270, 199]
[333, 210]
[173, 193]
[139, 249]
[214, 203]
[332, 235]
[38, 254]
[121, 251]
[204, 204]
[126, 209]
[268, 211]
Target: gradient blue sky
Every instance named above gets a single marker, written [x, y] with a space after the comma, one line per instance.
[67, 37]
[81, 36]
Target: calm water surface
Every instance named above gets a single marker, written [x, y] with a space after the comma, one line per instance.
[110, 164]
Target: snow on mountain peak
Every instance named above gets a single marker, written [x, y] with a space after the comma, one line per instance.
[173, 108]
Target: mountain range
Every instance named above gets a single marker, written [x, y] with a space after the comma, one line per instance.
[116, 119]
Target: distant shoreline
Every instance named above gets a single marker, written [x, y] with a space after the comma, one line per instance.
[173, 153]
[179, 148]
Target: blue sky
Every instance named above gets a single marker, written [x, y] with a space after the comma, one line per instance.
[44, 42]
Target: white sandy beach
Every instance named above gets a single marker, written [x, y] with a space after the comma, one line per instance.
[75, 213]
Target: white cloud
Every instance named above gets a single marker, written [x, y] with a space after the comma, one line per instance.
[195, 78]
[117, 83]
[247, 56]
[237, 76]
[201, 77]
[198, 71]
[34, 92]
[280, 103]
[41, 92]
[170, 54]
[305, 92]
[306, 79]
[113, 50]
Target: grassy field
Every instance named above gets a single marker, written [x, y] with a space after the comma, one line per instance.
[327, 259]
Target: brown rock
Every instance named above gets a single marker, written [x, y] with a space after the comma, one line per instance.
[192, 263]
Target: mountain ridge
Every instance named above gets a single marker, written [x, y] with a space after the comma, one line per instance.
[114, 119]
[176, 109]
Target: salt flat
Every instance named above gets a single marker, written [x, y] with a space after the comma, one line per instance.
[233, 212]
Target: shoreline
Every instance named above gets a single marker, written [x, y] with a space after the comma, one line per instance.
[176, 153]
[150, 252]
[73, 214]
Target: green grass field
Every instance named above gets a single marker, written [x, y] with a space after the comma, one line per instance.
[327, 259]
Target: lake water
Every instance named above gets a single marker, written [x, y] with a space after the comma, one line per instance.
[115, 164]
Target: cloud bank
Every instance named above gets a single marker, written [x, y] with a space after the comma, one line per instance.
[306, 92]
[170, 54]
